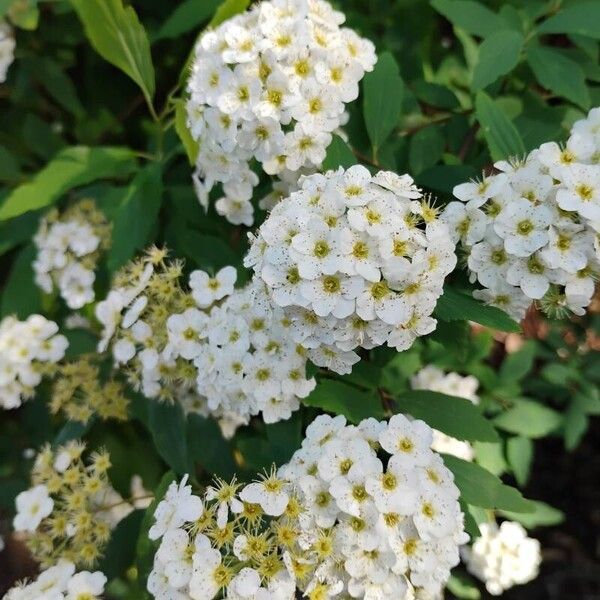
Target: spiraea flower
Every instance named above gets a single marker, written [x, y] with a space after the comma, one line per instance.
[452, 384]
[503, 556]
[223, 542]
[69, 245]
[7, 49]
[367, 511]
[353, 260]
[531, 230]
[71, 508]
[270, 85]
[79, 391]
[217, 350]
[28, 350]
[381, 514]
[60, 582]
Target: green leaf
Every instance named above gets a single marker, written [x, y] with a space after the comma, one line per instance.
[81, 341]
[206, 251]
[343, 399]
[117, 35]
[20, 296]
[501, 135]
[167, 426]
[498, 55]
[136, 216]
[559, 74]
[119, 555]
[435, 95]
[581, 18]
[480, 488]
[51, 75]
[443, 178]
[471, 522]
[575, 425]
[454, 416]
[516, 365]
[519, 451]
[187, 16]
[208, 447]
[543, 515]
[383, 90]
[462, 586]
[228, 9]
[426, 149]
[339, 154]
[530, 419]
[490, 457]
[9, 168]
[145, 547]
[18, 230]
[72, 167]
[471, 16]
[189, 143]
[456, 306]
[72, 430]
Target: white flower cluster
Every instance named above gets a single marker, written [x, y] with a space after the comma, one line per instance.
[381, 508]
[338, 520]
[270, 84]
[452, 384]
[532, 230]
[503, 556]
[249, 363]
[355, 261]
[60, 582]
[229, 352]
[7, 49]
[28, 350]
[69, 247]
[221, 542]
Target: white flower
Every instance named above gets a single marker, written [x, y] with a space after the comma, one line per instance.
[24, 347]
[207, 290]
[179, 506]
[186, 332]
[270, 84]
[409, 441]
[69, 246]
[581, 191]
[503, 556]
[537, 225]
[86, 585]
[270, 493]
[347, 260]
[7, 49]
[206, 581]
[33, 506]
[524, 227]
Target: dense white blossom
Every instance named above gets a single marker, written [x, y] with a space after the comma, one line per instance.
[60, 582]
[355, 261]
[7, 49]
[28, 350]
[503, 556]
[69, 246]
[381, 509]
[367, 511]
[452, 384]
[270, 84]
[218, 351]
[531, 231]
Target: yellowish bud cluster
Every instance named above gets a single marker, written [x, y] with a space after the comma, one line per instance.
[165, 297]
[79, 392]
[77, 529]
